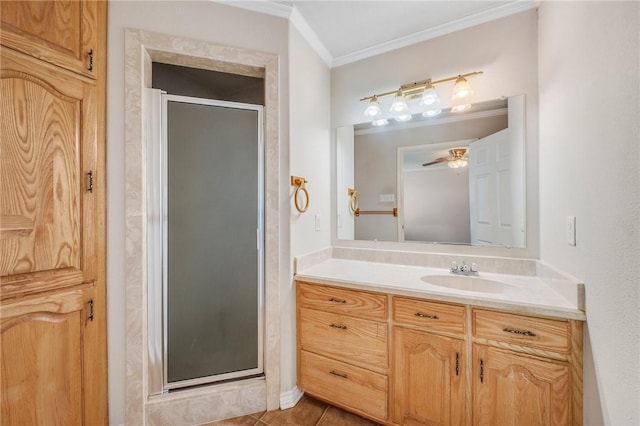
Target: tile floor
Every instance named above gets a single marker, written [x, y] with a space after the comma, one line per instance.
[308, 412]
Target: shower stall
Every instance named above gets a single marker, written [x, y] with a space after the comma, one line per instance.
[205, 228]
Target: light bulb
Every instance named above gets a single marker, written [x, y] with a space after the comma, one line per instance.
[461, 89]
[432, 112]
[373, 110]
[380, 122]
[399, 105]
[429, 97]
[402, 117]
[460, 107]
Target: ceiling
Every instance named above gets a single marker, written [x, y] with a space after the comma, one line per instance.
[349, 30]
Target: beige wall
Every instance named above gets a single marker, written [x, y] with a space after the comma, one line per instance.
[199, 20]
[506, 50]
[590, 169]
[308, 157]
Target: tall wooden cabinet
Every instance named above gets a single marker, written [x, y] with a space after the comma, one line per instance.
[52, 212]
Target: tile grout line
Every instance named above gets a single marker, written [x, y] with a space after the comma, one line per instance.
[323, 414]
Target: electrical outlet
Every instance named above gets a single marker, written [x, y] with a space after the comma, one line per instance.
[317, 221]
[571, 230]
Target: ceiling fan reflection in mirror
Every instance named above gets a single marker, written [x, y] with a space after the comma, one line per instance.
[455, 160]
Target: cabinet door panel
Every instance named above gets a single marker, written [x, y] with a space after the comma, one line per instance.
[512, 389]
[48, 142]
[429, 385]
[42, 347]
[61, 32]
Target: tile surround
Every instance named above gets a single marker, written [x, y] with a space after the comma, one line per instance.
[207, 403]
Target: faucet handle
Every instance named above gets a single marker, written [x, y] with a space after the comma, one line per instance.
[454, 266]
[474, 267]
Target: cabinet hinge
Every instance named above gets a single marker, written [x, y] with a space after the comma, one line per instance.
[90, 66]
[90, 317]
[90, 181]
[457, 363]
[481, 371]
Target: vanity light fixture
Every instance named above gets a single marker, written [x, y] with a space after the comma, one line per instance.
[462, 88]
[460, 107]
[429, 104]
[380, 122]
[373, 110]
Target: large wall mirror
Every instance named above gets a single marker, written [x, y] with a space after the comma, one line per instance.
[452, 179]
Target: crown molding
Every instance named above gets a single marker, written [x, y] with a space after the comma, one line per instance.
[450, 27]
[263, 6]
[292, 14]
[311, 37]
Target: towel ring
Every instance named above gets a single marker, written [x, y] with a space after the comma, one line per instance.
[353, 202]
[300, 182]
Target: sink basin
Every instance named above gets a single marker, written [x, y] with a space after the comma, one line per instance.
[466, 283]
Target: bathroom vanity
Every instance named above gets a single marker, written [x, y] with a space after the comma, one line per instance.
[380, 340]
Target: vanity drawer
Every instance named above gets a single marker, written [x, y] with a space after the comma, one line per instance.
[344, 384]
[430, 316]
[339, 336]
[541, 333]
[342, 301]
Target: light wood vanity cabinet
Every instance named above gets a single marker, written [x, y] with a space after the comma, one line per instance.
[343, 348]
[450, 364]
[52, 212]
[527, 370]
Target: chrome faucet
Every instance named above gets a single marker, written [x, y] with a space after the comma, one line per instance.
[464, 269]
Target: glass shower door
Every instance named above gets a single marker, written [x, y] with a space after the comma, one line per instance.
[212, 237]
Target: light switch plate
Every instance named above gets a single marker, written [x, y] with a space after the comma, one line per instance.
[317, 221]
[571, 230]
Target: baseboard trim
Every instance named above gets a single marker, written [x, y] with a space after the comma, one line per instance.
[290, 398]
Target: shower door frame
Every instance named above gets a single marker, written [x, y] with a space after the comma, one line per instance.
[158, 327]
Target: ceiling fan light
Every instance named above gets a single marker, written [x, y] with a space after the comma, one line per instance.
[462, 88]
[399, 105]
[457, 163]
[379, 122]
[373, 110]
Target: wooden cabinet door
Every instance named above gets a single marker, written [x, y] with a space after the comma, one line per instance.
[46, 348]
[429, 385]
[61, 32]
[513, 389]
[48, 142]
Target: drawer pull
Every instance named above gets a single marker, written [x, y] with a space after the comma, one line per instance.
[341, 327]
[335, 373]
[333, 299]
[421, 315]
[521, 332]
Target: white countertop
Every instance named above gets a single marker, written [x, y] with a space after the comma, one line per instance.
[524, 294]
